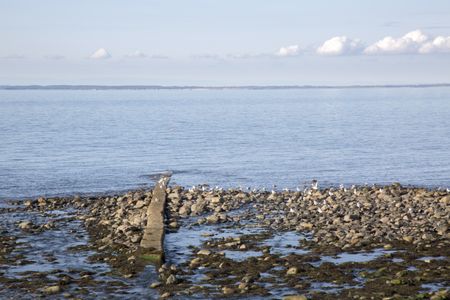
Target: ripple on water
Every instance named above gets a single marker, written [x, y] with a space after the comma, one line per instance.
[358, 257]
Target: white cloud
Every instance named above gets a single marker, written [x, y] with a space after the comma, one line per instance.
[409, 43]
[440, 44]
[101, 53]
[340, 45]
[289, 51]
[137, 54]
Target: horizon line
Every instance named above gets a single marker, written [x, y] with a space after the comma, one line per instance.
[213, 87]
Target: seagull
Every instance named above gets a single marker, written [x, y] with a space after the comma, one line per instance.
[314, 184]
[297, 189]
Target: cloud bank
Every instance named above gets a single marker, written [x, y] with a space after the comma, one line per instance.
[101, 53]
[289, 51]
[414, 42]
[340, 45]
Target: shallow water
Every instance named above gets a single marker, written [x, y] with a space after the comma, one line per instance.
[64, 142]
[52, 253]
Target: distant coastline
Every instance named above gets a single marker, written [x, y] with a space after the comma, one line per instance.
[198, 87]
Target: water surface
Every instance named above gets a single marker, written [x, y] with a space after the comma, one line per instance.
[65, 142]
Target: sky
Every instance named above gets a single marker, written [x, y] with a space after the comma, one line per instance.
[210, 42]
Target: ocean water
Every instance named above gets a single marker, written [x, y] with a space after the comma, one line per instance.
[67, 142]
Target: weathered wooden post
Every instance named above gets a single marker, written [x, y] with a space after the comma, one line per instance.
[152, 243]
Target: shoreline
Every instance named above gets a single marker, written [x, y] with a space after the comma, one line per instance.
[316, 243]
[116, 192]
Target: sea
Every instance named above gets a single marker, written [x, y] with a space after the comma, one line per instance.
[66, 142]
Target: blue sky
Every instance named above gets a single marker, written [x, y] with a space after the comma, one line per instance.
[229, 42]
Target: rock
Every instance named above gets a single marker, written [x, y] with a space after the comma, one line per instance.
[227, 290]
[195, 262]
[442, 229]
[445, 200]
[292, 271]
[184, 210]
[173, 225]
[243, 286]
[307, 226]
[205, 252]
[135, 239]
[166, 295]
[212, 219]
[387, 246]
[295, 297]
[42, 202]
[52, 289]
[139, 204]
[408, 238]
[384, 220]
[156, 284]
[171, 279]
[24, 225]
[395, 282]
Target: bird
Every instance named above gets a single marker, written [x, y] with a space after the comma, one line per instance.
[314, 184]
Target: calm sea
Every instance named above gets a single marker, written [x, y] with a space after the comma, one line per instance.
[65, 142]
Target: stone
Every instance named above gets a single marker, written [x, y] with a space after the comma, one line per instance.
[442, 229]
[173, 225]
[204, 252]
[156, 284]
[295, 297]
[166, 295]
[395, 282]
[408, 238]
[212, 219]
[24, 225]
[307, 226]
[52, 289]
[292, 271]
[384, 220]
[227, 290]
[171, 279]
[139, 204]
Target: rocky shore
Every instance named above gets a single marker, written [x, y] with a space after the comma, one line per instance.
[389, 242]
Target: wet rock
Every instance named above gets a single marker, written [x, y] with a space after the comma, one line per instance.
[52, 289]
[155, 285]
[25, 225]
[408, 238]
[295, 297]
[228, 290]
[172, 279]
[292, 271]
[204, 252]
